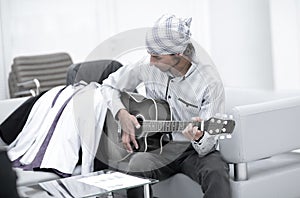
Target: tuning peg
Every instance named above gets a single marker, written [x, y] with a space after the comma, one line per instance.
[223, 130]
[225, 122]
[228, 136]
[222, 137]
[217, 130]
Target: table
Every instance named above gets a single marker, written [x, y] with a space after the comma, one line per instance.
[89, 185]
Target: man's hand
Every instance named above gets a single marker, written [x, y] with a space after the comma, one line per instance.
[128, 125]
[192, 132]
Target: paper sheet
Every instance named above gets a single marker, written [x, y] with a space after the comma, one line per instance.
[114, 181]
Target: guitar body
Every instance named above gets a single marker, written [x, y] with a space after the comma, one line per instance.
[147, 109]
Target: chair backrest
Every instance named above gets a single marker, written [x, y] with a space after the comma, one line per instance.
[95, 71]
[49, 69]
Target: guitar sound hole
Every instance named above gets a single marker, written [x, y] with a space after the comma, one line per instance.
[140, 119]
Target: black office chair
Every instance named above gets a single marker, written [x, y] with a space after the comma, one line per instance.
[92, 71]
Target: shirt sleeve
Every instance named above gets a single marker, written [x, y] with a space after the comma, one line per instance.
[124, 79]
[213, 103]
[205, 145]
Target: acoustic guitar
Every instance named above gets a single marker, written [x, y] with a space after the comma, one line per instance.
[155, 118]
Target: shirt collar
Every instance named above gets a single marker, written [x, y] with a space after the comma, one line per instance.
[188, 73]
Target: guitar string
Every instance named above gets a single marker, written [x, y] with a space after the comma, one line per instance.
[126, 156]
[161, 146]
[146, 144]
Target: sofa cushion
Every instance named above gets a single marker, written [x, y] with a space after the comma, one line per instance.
[281, 172]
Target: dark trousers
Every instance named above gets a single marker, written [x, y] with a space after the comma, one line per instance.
[210, 171]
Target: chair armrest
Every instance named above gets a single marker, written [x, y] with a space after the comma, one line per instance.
[30, 91]
[263, 130]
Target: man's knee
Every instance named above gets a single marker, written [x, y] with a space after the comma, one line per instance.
[141, 162]
[216, 166]
[216, 172]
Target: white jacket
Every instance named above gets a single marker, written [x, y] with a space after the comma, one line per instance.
[80, 125]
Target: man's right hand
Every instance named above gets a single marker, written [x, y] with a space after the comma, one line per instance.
[128, 124]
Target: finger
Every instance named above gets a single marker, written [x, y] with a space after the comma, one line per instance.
[187, 129]
[187, 132]
[133, 140]
[128, 147]
[196, 119]
[194, 132]
[126, 142]
[135, 122]
[197, 133]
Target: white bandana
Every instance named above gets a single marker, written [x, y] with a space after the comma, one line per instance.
[169, 35]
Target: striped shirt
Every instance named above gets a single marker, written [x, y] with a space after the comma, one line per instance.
[199, 93]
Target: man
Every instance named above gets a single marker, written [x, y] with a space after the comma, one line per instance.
[193, 91]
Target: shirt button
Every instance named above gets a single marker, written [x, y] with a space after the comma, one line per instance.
[169, 96]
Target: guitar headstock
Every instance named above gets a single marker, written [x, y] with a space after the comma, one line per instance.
[220, 126]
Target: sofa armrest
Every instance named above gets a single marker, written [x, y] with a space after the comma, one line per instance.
[9, 105]
[263, 130]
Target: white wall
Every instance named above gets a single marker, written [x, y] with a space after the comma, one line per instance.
[3, 80]
[254, 43]
[241, 43]
[38, 27]
[77, 26]
[285, 24]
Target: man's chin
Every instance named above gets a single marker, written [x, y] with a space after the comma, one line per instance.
[161, 68]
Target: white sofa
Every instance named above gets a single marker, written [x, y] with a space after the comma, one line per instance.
[261, 152]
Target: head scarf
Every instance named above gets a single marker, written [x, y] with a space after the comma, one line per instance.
[169, 35]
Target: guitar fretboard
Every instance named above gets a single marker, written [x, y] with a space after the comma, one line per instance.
[166, 126]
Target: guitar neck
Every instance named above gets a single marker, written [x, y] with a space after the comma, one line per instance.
[167, 126]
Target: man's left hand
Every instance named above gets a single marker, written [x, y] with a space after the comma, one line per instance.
[192, 132]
